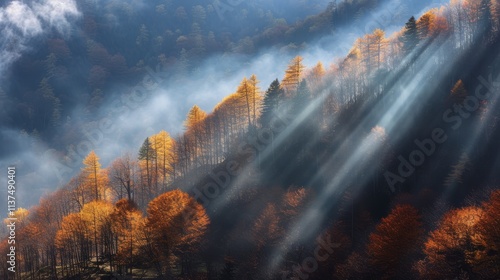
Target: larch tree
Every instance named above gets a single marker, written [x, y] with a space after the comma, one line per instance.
[315, 76]
[244, 91]
[395, 241]
[256, 98]
[379, 45]
[195, 132]
[293, 75]
[249, 92]
[96, 215]
[425, 25]
[73, 241]
[162, 144]
[94, 177]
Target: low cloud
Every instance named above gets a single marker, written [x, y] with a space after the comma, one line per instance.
[21, 21]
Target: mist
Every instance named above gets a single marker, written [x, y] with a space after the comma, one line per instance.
[129, 116]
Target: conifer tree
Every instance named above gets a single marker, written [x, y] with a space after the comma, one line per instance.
[270, 103]
[410, 36]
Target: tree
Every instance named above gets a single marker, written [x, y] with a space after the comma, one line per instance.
[458, 93]
[485, 21]
[271, 101]
[147, 156]
[94, 176]
[195, 132]
[96, 215]
[244, 91]
[410, 36]
[293, 75]
[199, 14]
[256, 98]
[425, 25]
[394, 241]
[315, 77]
[162, 145]
[128, 226]
[379, 44]
[454, 247]
[249, 92]
[176, 223]
[52, 114]
[122, 174]
[489, 227]
[20, 214]
[73, 240]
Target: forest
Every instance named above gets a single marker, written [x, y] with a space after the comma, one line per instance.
[380, 164]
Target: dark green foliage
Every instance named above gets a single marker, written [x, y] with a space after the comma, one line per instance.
[146, 152]
[410, 36]
[270, 102]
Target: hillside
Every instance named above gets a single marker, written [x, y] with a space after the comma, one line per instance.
[380, 164]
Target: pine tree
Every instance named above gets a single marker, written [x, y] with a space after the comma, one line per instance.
[271, 102]
[410, 36]
[147, 156]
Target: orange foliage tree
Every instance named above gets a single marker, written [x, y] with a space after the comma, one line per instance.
[128, 226]
[453, 249]
[489, 227]
[394, 241]
[175, 224]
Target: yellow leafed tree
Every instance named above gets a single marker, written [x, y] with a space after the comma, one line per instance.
[163, 145]
[94, 178]
[195, 131]
[293, 75]
[249, 92]
[96, 215]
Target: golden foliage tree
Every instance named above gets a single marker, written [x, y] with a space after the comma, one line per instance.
[163, 145]
[73, 240]
[293, 75]
[176, 223]
[96, 215]
[95, 178]
[128, 226]
[315, 76]
[250, 95]
[195, 132]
